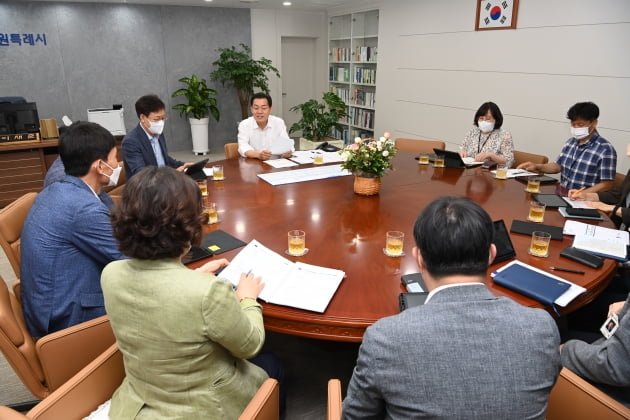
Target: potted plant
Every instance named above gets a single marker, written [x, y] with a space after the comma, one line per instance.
[238, 69]
[368, 160]
[201, 104]
[319, 118]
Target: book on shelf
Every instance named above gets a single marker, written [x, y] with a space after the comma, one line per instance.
[287, 283]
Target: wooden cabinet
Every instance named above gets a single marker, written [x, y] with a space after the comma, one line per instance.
[23, 168]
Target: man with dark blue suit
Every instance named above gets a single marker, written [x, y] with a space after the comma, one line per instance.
[67, 236]
[145, 145]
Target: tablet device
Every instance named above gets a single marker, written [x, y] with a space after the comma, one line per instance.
[454, 160]
[409, 300]
[505, 249]
[552, 201]
[195, 171]
[544, 179]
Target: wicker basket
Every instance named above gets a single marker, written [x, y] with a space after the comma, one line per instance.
[366, 186]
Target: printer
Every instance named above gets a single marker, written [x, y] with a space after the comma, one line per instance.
[111, 119]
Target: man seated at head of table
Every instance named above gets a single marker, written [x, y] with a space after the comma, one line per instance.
[487, 140]
[605, 361]
[67, 236]
[465, 353]
[263, 135]
[145, 145]
[587, 161]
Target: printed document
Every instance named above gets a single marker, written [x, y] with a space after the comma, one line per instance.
[299, 285]
[301, 175]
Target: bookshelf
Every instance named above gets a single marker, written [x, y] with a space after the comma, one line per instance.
[352, 61]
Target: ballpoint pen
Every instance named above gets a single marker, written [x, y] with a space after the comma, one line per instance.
[568, 270]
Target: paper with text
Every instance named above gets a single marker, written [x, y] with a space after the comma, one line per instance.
[298, 285]
[302, 175]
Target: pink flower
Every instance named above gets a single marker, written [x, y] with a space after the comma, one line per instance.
[387, 135]
[353, 146]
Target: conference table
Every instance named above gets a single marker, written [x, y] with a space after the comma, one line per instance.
[347, 231]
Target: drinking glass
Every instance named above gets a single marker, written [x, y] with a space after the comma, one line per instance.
[502, 171]
[439, 161]
[297, 242]
[536, 212]
[533, 184]
[217, 173]
[394, 243]
[203, 187]
[539, 247]
[211, 211]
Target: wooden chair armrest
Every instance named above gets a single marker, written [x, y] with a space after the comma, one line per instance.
[575, 398]
[333, 411]
[7, 413]
[85, 391]
[63, 353]
[265, 405]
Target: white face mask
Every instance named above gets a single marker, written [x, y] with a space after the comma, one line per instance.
[485, 126]
[156, 127]
[113, 178]
[579, 132]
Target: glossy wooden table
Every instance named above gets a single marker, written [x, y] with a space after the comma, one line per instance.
[347, 231]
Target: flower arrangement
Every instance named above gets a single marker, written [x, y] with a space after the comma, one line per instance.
[369, 157]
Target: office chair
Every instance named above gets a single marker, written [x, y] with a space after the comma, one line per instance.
[11, 222]
[96, 383]
[333, 410]
[520, 157]
[231, 151]
[45, 365]
[418, 146]
[574, 398]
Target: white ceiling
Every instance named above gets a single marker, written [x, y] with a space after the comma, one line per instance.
[312, 5]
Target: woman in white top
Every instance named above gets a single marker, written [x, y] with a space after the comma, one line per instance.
[487, 140]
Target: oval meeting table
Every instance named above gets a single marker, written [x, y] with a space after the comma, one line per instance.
[346, 231]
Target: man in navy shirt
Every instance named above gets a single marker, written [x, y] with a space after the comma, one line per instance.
[587, 162]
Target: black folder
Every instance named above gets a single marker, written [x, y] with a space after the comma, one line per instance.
[527, 228]
[219, 242]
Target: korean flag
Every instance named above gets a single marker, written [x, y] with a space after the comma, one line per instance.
[495, 14]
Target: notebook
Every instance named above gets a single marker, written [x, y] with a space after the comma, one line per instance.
[532, 283]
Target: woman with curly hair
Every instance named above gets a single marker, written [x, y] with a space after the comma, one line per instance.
[184, 334]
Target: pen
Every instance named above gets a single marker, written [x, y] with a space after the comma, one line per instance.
[578, 191]
[568, 270]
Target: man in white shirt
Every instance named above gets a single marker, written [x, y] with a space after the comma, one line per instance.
[263, 135]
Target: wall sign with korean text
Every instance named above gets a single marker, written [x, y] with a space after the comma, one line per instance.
[496, 14]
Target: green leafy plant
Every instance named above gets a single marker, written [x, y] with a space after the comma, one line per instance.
[318, 118]
[369, 157]
[201, 102]
[238, 69]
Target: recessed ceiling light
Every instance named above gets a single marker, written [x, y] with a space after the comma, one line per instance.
[286, 3]
[208, 1]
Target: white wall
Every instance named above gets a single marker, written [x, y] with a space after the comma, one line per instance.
[268, 28]
[434, 70]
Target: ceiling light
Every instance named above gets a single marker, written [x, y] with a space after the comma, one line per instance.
[286, 3]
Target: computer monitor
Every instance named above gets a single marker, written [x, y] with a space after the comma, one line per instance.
[19, 118]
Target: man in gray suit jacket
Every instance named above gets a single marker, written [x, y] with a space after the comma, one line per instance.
[606, 361]
[465, 353]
